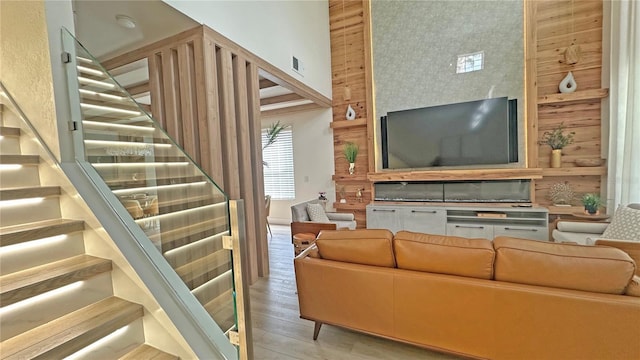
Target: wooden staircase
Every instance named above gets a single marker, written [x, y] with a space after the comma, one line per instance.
[55, 300]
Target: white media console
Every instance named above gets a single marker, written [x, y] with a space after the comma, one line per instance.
[465, 221]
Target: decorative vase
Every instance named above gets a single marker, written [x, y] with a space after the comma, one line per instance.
[568, 84]
[556, 158]
[352, 168]
[351, 114]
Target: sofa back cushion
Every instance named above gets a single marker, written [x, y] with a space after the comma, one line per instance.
[598, 269]
[366, 247]
[444, 254]
[299, 211]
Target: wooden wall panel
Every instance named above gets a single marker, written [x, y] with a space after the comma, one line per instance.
[550, 27]
[188, 112]
[243, 134]
[255, 137]
[209, 126]
[350, 65]
[556, 25]
[226, 93]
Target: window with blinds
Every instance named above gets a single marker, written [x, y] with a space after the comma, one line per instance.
[278, 166]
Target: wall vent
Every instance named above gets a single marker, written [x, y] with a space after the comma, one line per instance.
[296, 65]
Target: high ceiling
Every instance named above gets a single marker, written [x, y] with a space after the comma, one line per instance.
[98, 30]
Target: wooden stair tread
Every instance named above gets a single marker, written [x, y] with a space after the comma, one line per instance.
[15, 234]
[205, 268]
[182, 235]
[20, 159]
[72, 332]
[160, 180]
[222, 310]
[23, 284]
[147, 352]
[9, 131]
[28, 192]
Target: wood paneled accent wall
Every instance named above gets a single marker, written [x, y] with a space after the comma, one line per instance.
[205, 94]
[554, 25]
[349, 27]
[550, 26]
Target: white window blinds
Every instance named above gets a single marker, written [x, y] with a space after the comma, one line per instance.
[278, 168]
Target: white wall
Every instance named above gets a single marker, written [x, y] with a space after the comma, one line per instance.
[273, 30]
[312, 158]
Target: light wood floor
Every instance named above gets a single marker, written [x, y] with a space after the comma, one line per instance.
[279, 333]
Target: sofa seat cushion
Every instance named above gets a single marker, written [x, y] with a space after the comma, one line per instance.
[351, 225]
[444, 254]
[597, 269]
[366, 247]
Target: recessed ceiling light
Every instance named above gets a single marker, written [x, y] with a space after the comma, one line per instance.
[125, 21]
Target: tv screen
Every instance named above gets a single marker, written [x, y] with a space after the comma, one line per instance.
[482, 132]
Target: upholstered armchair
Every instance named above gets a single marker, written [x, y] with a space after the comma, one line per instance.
[302, 222]
[624, 226]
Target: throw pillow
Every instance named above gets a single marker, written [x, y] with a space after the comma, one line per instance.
[625, 225]
[317, 214]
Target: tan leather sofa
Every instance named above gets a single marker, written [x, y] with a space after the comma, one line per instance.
[506, 299]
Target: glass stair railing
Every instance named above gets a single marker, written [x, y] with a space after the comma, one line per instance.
[179, 208]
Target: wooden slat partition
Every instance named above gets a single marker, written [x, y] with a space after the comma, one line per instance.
[205, 98]
[205, 94]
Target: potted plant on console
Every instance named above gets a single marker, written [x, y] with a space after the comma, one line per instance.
[591, 203]
[350, 153]
[557, 140]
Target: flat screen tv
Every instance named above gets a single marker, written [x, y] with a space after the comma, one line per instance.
[482, 132]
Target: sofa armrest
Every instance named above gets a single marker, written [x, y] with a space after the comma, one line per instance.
[630, 247]
[586, 227]
[333, 216]
[298, 227]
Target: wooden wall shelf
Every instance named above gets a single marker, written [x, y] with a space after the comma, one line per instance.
[350, 178]
[575, 96]
[468, 174]
[564, 210]
[349, 206]
[575, 171]
[344, 124]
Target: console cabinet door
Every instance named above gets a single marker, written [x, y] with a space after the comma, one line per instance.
[424, 220]
[522, 232]
[383, 217]
[480, 231]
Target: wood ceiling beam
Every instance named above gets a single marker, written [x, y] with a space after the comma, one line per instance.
[266, 83]
[138, 89]
[290, 109]
[280, 99]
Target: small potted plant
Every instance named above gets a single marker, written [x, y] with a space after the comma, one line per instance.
[350, 153]
[591, 203]
[556, 139]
